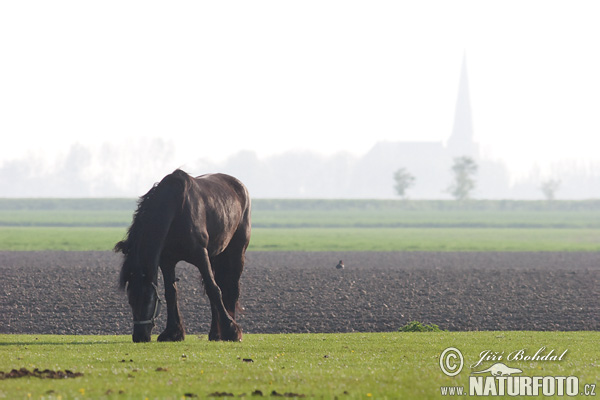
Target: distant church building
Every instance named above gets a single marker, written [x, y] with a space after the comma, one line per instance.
[461, 141]
[305, 174]
[430, 162]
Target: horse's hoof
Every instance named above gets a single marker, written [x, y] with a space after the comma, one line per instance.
[233, 334]
[171, 337]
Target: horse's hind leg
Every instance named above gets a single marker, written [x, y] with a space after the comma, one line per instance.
[227, 268]
[218, 264]
[174, 331]
[228, 276]
[227, 328]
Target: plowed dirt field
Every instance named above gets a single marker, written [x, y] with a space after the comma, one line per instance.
[76, 292]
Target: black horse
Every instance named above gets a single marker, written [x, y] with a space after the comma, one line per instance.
[204, 221]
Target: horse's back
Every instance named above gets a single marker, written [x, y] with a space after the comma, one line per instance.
[227, 209]
[223, 185]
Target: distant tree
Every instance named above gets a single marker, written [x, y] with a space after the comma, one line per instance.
[549, 188]
[404, 180]
[464, 168]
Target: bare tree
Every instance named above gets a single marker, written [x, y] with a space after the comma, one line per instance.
[549, 188]
[404, 180]
[464, 168]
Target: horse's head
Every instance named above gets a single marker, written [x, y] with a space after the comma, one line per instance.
[145, 305]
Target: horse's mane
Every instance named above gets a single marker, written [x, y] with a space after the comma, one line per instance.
[148, 208]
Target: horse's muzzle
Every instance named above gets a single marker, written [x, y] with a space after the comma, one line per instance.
[141, 336]
[142, 333]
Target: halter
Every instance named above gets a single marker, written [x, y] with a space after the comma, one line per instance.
[156, 309]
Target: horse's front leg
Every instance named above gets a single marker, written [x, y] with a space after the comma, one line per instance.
[227, 329]
[174, 331]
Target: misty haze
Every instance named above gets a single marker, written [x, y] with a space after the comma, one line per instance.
[128, 170]
[113, 172]
[301, 100]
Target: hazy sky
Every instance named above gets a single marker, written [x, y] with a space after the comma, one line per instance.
[330, 76]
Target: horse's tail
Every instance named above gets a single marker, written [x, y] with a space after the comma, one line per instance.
[151, 223]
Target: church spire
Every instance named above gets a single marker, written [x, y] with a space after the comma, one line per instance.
[461, 141]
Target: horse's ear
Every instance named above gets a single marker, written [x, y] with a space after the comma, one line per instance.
[121, 247]
[124, 277]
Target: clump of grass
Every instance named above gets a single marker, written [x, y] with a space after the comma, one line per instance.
[416, 326]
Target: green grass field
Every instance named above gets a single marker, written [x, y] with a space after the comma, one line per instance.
[425, 239]
[329, 239]
[344, 366]
[326, 225]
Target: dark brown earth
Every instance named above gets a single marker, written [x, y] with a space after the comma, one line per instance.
[36, 373]
[76, 292]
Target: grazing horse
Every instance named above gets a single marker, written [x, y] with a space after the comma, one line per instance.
[204, 221]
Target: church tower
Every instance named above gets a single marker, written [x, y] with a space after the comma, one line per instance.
[461, 141]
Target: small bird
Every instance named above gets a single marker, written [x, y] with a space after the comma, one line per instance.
[340, 265]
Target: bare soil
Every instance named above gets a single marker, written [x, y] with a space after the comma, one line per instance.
[36, 373]
[76, 292]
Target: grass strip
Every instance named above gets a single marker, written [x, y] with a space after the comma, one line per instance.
[426, 239]
[329, 239]
[59, 238]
